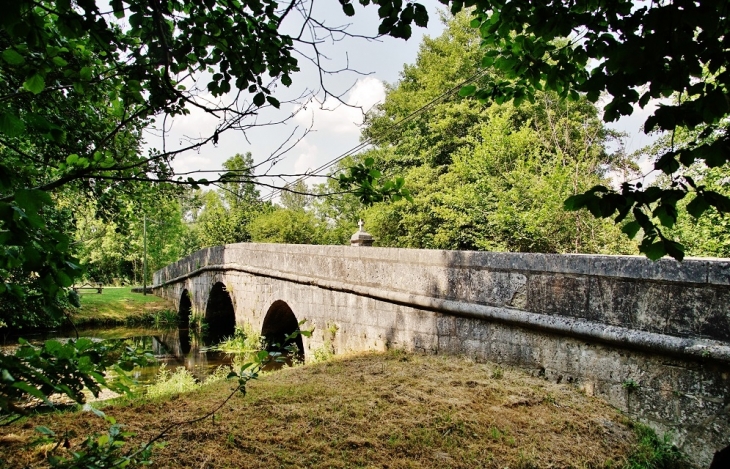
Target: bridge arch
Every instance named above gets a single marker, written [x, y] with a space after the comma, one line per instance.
[183, 321]
[185, 309]
[220, 316]
[279, 322]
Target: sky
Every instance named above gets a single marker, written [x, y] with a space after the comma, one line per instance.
[323, 128]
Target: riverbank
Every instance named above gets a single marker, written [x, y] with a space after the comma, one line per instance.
[393, 410]
[118, 306]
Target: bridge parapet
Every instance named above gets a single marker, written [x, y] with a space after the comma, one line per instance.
[597, 321]
[688, 299]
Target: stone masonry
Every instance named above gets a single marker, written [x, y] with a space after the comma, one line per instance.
[602, 323]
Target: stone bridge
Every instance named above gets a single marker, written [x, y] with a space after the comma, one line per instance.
[651, 338]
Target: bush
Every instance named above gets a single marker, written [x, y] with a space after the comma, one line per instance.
[653, 452]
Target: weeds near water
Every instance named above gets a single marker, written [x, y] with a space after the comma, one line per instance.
[653, 452]
[327, 350]
[245, 339]
[172, 382]
[181, 380]
[197, 324]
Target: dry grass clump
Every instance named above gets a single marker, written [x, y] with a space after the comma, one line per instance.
[391, 410]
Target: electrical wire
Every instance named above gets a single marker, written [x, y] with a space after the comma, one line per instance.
[375, 139]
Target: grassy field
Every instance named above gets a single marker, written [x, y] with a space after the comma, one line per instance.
[391, 410]
[117, 305]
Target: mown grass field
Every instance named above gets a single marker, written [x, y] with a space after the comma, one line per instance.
[387, 410]
[116, 305]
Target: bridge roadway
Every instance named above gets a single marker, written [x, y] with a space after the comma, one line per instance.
[598, 322]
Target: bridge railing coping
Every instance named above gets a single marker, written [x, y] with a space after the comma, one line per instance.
[691, 270]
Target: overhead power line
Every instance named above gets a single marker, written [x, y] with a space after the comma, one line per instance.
[374, 139]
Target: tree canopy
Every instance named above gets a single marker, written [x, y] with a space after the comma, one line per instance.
[486, 176]
[630, 54]
[79, 82]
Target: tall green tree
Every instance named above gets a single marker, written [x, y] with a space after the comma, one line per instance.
[285, 225]
[79, 81]
[485, 176]
[295, 196]
[226, 214]
[631, 54]
[239, 187]
[112, 247]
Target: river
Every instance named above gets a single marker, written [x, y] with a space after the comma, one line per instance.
[172, 347]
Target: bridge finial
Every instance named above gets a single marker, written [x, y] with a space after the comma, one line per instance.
[361, 238]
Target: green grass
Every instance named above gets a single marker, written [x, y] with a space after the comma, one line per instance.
[653, 452]
[118, 305]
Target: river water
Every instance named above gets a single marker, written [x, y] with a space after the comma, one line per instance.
[172, 347]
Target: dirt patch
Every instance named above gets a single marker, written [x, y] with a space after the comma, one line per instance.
[424, 412]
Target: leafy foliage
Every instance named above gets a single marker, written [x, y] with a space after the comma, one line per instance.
[78, 84]
[98, 451]
[64, 368]
[287, 226]
[486, 177]
[653, 452]
[370, 185]
[635, 54]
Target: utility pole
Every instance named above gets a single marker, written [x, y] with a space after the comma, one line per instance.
[144, 259]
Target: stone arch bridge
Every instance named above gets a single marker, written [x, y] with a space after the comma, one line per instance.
[651, 338]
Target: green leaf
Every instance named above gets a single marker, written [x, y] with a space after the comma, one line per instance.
[85, 73]
[45, 431]
[118, 8]
[273, 101]
[73, 298]
[348, 9]
[10, 125]
[664, 213]
[35, 392]
[60, 61]
[576, 202]
[32, 199]
[717, 200]
[12, 57]
[698, 206]
[7, 377]
[631, 229]
[654, 251]
[674, 249]
[34, 84]
[259, 99]
[467, 90]
[667, 163]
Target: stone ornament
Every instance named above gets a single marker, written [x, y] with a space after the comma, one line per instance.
[361, 238]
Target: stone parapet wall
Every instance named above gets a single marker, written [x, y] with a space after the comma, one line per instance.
[688, 299]
[598, 322]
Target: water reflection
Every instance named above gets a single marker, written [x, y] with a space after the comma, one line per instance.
[182, 347]
[173, 347]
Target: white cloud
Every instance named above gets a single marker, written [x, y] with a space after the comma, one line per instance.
[307, 157]
[333, 116]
